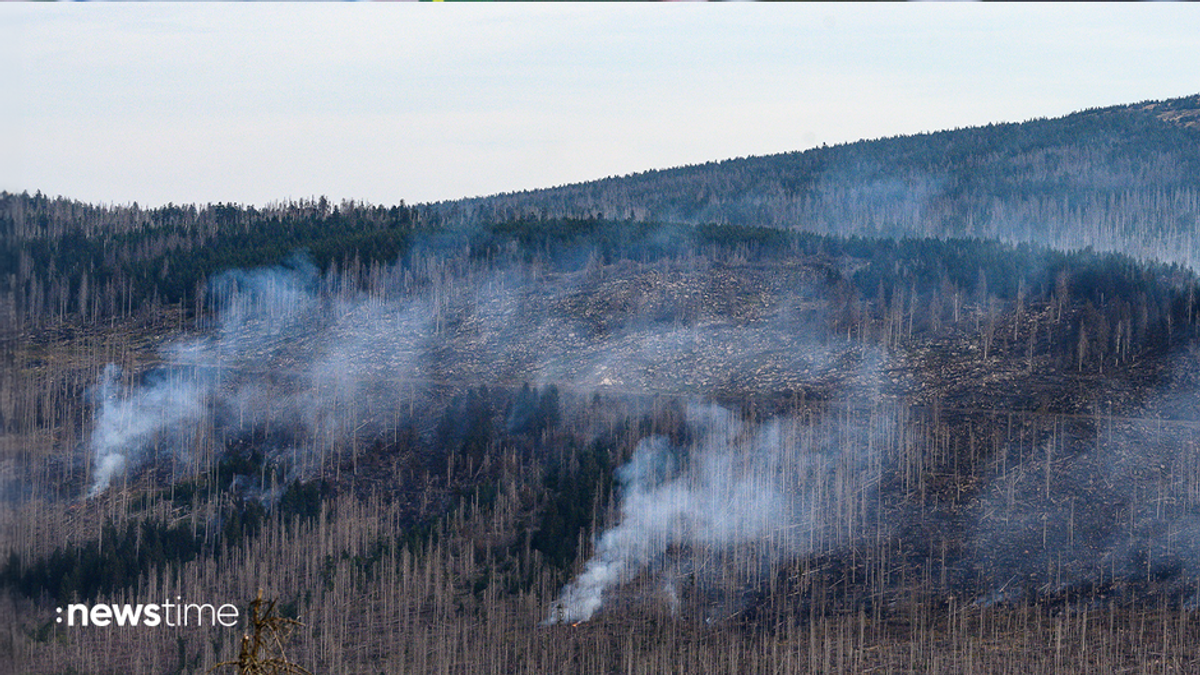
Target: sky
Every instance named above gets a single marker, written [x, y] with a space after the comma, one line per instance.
[379, 102]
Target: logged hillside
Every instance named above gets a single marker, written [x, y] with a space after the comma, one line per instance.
[479, 435]
[1124, 178]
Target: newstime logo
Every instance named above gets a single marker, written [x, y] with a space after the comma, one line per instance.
[172, 614]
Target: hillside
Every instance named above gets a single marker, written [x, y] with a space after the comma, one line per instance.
[460, 436]
[1122, 178]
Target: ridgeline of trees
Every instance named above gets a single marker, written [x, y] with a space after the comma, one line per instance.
[62, 258]
[1124, 178]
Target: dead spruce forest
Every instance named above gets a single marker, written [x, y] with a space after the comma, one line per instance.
[917, 404]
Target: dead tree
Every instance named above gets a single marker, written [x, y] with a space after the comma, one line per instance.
[262, 649]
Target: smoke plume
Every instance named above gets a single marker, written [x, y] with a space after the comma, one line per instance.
[310, 361]
[766, 492]
[284, 356]
[129, 423]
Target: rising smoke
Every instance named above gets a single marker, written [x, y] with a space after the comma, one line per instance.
[762, 493]
[290, 350]
[319, 362]
[130, 423]
[284, 354]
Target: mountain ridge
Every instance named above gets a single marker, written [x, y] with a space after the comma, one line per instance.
[1119, 178]
[1182, 111]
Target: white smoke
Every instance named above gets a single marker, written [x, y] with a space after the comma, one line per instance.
[130, 421]
[282, 355]
[310, 363]
[773, 490]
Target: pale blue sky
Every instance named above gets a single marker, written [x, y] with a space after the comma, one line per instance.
[254, 103]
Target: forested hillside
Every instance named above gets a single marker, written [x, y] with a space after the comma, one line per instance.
[563, 432]
[62, 257]
[1124, 178]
